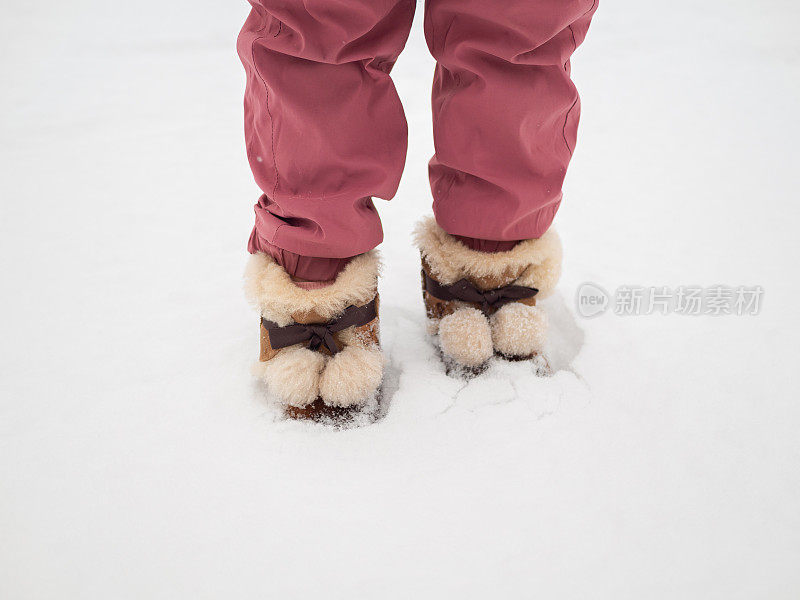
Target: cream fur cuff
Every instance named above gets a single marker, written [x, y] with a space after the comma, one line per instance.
[450, 260]
[269, 288]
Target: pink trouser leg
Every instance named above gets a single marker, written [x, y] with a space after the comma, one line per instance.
[505, 112]
[324, 127]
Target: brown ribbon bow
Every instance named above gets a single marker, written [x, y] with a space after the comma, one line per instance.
[317, 335]
[489, 301]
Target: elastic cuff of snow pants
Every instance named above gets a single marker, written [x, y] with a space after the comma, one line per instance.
[299, 267]
[490, 246]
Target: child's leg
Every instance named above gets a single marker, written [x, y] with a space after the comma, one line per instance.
[324, 127]
[505, 112]
[325, 132]
[505, 115]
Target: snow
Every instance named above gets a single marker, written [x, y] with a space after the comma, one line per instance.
[139, 460]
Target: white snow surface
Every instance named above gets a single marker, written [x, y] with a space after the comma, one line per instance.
[139, 460]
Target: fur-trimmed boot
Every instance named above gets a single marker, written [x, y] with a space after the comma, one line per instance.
[482, 304]
[320, 348]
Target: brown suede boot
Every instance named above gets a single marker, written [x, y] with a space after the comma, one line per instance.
[480, 304]
[320, 348]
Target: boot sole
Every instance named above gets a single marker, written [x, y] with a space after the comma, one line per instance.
[459, 371]
[338, 416]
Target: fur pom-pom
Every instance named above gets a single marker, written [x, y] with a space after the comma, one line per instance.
[519, 330]
[293, 375]
[465, 337]
[352, 376]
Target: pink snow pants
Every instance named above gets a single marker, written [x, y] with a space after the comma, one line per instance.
[326, 132]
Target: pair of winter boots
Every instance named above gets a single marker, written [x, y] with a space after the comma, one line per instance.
[320, 348]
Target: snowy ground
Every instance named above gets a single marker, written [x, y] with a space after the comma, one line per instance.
[138, 460]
